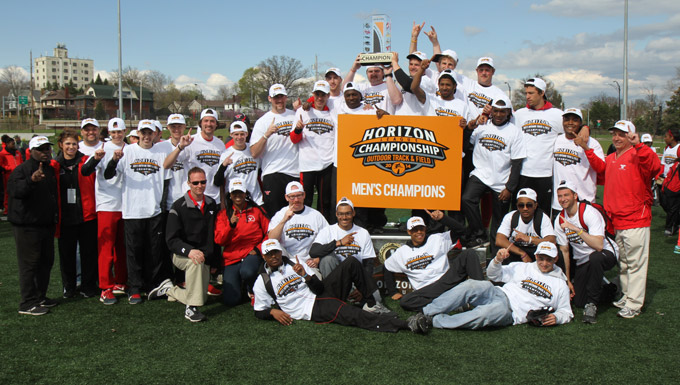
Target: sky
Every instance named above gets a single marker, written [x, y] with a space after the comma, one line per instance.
[577, 44]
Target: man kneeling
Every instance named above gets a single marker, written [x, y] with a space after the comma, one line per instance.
[300, 295]
[528, 286]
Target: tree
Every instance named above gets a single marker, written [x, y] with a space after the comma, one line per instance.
[671, 117]
[251, 88]
[519, 98]
[14, 79]
[48, 85]
[225, 92]
[72, 90]
[602, 108]
[281, 69]
[98, 80]
[99, 112]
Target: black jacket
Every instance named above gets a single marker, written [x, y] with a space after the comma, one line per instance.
[187, 228]
[32, 203]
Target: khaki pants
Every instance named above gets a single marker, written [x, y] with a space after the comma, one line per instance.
[197, 278]
[633, 260]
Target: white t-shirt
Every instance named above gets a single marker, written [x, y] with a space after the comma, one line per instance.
[494, 147]
[571, 164]
[143, 177]
[88, 150]
[425, 264]
[292, 293]
[343, 109]
[436, 106]
[317, 147]
[280, 154]
[539, 129]
[479, 95]
[376, 95]
[527, 228]
[670, 155]
[243, 166]
[206, 155]
[108, 193]
[177, 186]
[596, 226]
[299, 232]
[361, 248]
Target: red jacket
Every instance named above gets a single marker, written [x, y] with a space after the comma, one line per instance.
[245, 236]
[9, 162]
[627, 180]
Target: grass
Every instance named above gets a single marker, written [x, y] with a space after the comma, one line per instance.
[82, 341]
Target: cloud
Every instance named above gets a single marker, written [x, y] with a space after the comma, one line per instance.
[472, 31]
[594, 9]
[208, 86]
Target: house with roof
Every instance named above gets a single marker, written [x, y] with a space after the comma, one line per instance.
[108, 96]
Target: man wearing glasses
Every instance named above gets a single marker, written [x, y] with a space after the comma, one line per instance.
[297, 225]
[523, 229]
[189, 234]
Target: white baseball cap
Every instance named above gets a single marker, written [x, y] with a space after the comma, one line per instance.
[417, 54]
[323, 86]
[333, 70]
[573, 111]
[447, 52]
[546, 248]
[146, 124]
[237, 184]
[158, 125]
[485, 60]
[270, 245]
[527, 193]
[176, 119]
[414, 222]
[238, 126]
[624, 125]
[538, 83]
[293, 187]
[38, 141]
[344, 201]
[116, 124]
[133, 133]
[208, 112]
[449, 73]
[91, 121]
[277, 89]
[646, 138]
[350, 86]
[503, 99]
[567, 184]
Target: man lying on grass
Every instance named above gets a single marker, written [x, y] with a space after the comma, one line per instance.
[537, 287]
[300, 295]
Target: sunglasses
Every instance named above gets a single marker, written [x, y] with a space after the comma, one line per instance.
[197, 182]
[523, 205]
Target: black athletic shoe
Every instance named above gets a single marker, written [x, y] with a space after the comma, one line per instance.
[192, 314]
[47, 302]
[35, 310]
[420, 323]
[70, 293]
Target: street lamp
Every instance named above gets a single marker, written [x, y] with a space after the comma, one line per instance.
[509, 92]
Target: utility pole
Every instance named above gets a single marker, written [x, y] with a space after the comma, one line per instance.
[30, 95]
[120, 69]
[624, 107]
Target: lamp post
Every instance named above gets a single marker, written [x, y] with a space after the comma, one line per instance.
[509, 92]
[618, 88]
[120, 69]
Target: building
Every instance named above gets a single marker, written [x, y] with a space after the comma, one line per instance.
[62, 69]
[108, 95]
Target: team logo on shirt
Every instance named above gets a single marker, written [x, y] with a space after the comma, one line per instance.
[289, 285]
[399, 149]
[567, 157]
[177, 166]
[320, 126]
[440, 111]
[493, 142]
[537, 288]
[536, 127]
[348, 250]
[209, 157]
[283, 128]
[245, 165]
[419, 262]
[573, 237]
[145, 166]
[374, 98]
[669, 159]
[299, 231]
[479, 100]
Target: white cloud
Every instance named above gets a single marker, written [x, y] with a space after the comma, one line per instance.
[598, 8]
[208, 86]
[472, 31]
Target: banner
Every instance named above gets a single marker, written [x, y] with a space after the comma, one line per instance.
[405, 162]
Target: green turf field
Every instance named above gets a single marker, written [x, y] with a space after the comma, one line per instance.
[83, 341]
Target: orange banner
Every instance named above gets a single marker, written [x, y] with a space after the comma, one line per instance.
[405, 162]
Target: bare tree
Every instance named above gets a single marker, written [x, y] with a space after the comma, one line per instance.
[156, 81]
[131, 77]
[554, 96]
[281, 69]
[226, 92]
[14, 79]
